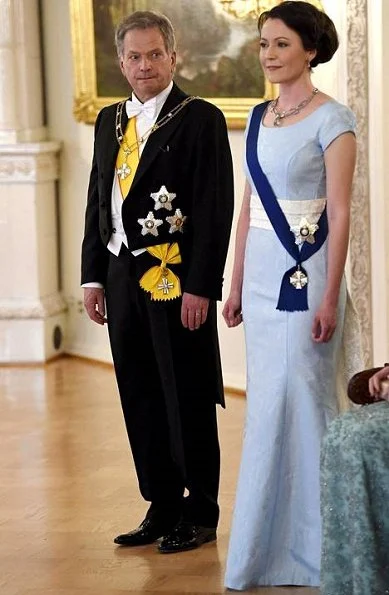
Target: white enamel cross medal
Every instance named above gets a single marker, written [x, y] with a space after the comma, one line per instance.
[123, 171]
[298, 279]
[165, 286]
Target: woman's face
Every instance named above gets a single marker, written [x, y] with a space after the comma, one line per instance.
[282, 55]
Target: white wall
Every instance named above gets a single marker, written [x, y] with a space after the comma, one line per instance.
[85, 338]
[378, 16]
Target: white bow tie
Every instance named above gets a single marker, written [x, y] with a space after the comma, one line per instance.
[148, 109]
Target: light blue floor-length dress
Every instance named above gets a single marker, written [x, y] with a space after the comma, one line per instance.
[291, 395]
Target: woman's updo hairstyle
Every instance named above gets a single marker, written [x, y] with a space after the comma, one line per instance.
[315, 28]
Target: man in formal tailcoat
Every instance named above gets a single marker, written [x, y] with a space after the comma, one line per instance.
[157, 227]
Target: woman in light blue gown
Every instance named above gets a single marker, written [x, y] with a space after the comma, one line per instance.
[305, 145]
[355, 499]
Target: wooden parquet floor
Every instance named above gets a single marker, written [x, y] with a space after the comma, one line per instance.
[67, 486]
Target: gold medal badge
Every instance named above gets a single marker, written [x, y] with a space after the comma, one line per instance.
[160, 281]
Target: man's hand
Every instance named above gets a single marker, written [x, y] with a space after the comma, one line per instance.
[194, 311]
[95, 304]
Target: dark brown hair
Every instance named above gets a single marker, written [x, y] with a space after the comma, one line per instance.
[315, 28]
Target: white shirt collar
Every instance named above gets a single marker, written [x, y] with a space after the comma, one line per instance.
[158, 100]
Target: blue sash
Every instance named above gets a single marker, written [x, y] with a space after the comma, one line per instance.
[290, 299]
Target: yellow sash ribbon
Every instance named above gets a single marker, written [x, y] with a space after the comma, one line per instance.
[127, 163]
[160, 281]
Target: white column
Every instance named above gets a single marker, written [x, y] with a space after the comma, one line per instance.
[32, 311]
[358, 99]
[21, 105]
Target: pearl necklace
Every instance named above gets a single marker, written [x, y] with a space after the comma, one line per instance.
[281, 115]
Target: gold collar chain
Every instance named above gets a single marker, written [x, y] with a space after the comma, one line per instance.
[120, 137]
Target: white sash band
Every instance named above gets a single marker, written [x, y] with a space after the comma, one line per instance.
[294, 211]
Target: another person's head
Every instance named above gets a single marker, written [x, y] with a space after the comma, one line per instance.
[146, 48]
[295, 37]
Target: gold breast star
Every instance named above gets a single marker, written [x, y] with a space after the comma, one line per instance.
[150, 224]
[163, 199]
[304, 232]
[176, 221]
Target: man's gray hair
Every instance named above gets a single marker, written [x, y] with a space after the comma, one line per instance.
[145, 19]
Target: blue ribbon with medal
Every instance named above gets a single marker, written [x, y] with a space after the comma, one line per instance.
[293, 292]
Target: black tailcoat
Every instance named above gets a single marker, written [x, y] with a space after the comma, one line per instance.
[169, 378]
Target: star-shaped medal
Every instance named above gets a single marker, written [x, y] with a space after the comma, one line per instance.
[304, 232]
[163, 199]
[123, 171]
[150, 224]
[176, 221]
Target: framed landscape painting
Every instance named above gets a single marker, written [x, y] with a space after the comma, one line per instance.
[217, 53]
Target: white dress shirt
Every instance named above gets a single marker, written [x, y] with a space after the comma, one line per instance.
[145, 119]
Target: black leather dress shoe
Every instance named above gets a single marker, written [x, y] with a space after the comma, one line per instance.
[147, 532]
[186, 537]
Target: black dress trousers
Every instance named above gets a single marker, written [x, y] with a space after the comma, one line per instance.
[169, 380]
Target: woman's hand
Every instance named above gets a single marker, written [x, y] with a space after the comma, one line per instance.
[324, 323]
[232, 311]
[378, 385]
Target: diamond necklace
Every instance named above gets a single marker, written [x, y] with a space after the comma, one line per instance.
[281, 115]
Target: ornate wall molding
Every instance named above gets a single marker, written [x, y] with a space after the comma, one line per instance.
[47, 306]
[358, 101]
[36, 162]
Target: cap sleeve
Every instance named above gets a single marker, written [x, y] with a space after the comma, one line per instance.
[339, 120]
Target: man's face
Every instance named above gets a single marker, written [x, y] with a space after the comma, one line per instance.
[146, 64]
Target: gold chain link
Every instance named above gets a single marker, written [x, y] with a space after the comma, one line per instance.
[120, 137]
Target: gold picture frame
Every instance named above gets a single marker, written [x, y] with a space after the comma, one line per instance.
[95, 65]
